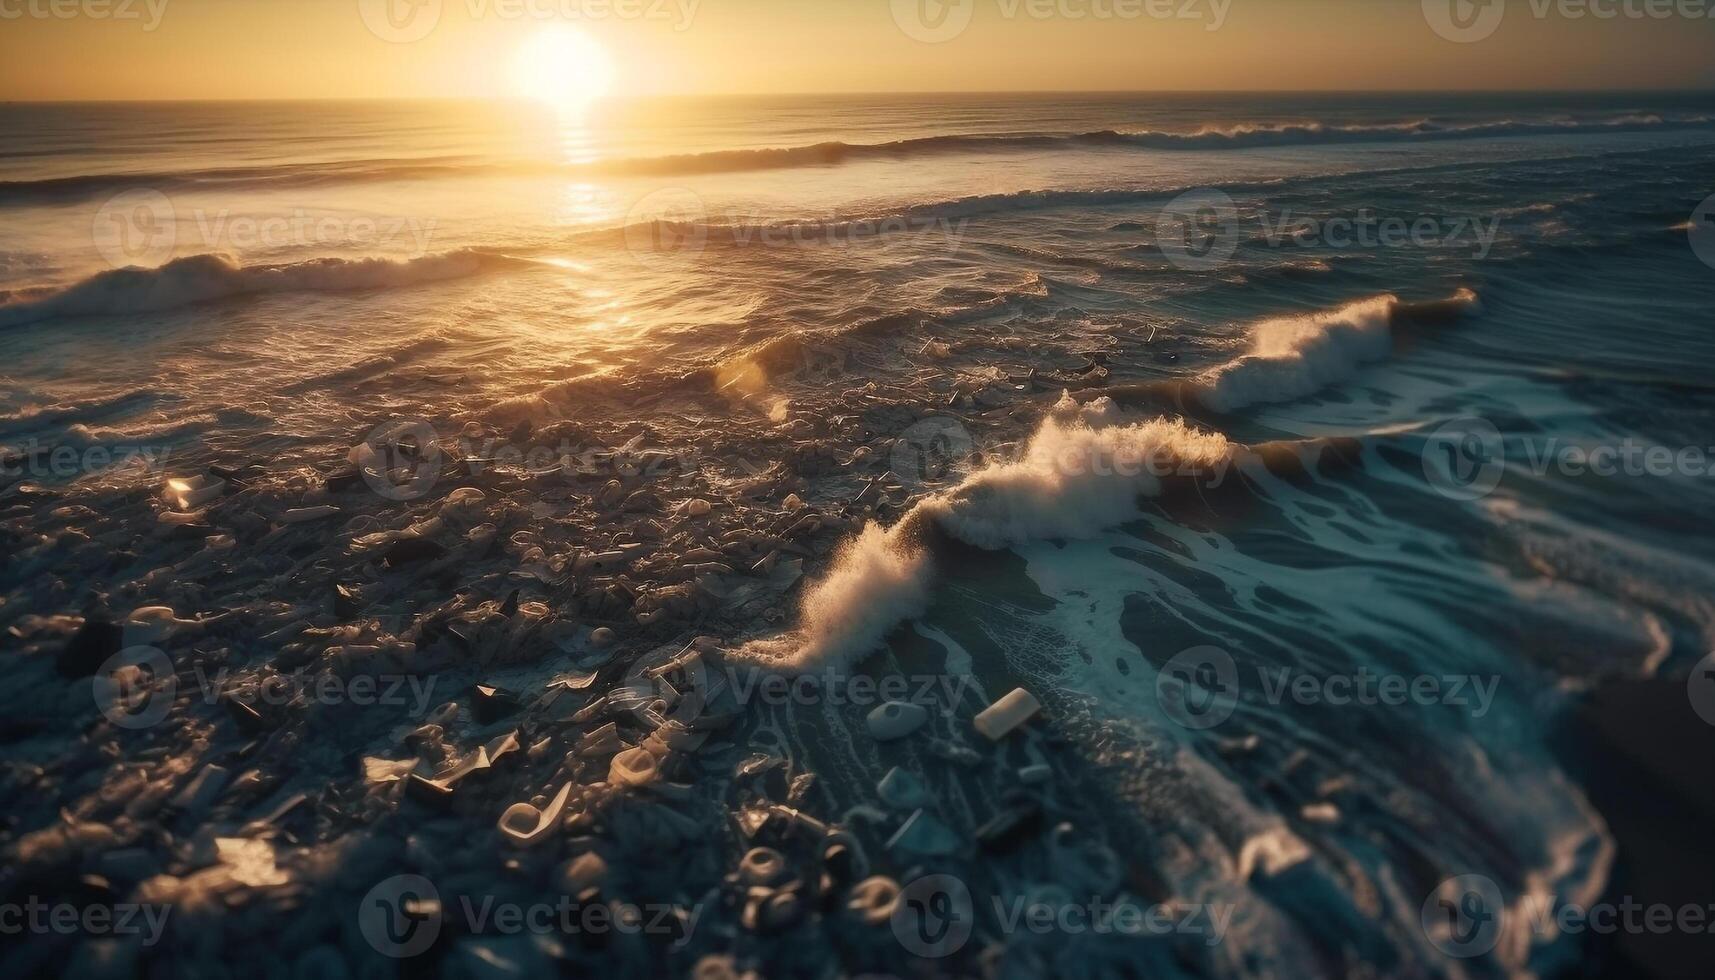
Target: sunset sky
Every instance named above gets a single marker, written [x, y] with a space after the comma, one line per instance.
[270, 49]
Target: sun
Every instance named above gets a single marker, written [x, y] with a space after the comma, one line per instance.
[563, 67]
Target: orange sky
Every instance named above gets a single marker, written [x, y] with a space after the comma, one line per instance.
[226, 49]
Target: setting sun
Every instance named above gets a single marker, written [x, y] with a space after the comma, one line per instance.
[562, 67]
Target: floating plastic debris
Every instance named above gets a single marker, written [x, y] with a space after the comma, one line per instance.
[190, 493]
[896, 719]
[999, 719]
[526, 826]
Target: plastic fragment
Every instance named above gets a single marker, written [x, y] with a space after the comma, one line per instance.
[1001, 718]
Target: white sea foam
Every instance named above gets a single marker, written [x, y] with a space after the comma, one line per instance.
[1082, 471]
[1065, 484]
[1291, 357]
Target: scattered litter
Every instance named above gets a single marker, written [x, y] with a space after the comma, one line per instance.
[923, 836]
[901, 790]
[1035, 774]
[633, 767]
[762, 866]
[526, 826]
[190, 493]
[873, 900]
[1001, 718]
[896, 719]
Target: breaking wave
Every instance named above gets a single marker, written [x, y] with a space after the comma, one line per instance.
[881, 578]
[1291, 357]
[206, 277]
[1056, 489]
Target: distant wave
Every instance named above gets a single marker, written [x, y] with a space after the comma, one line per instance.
[1240, 136]
[85, 186]
[1312, 133]
[203, 278]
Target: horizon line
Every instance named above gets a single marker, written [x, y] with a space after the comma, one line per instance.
[874, 92]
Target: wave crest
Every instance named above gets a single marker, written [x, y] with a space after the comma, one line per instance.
[212, 276]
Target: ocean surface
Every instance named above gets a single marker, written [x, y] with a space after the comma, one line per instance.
[1363, 331]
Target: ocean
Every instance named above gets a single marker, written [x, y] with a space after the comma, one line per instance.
[1334, 470]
